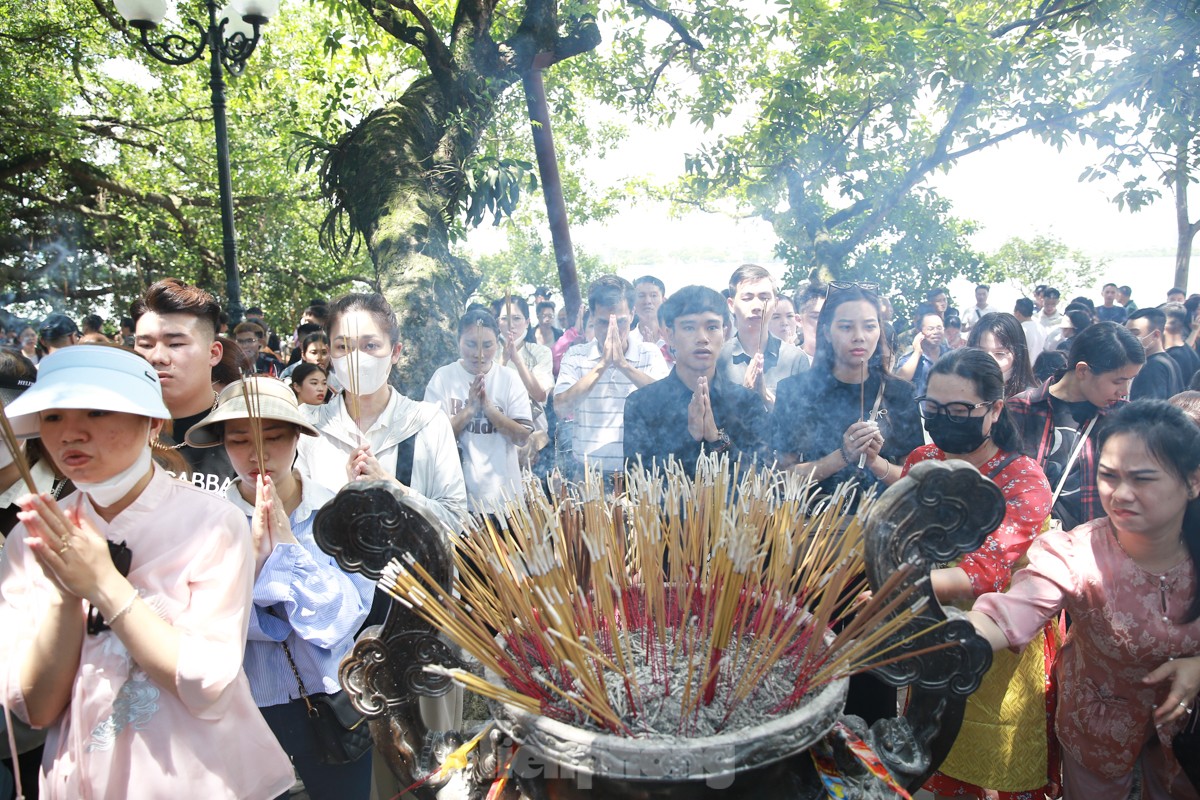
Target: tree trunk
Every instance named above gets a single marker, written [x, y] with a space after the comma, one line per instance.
[399, 177]
[1185, 228]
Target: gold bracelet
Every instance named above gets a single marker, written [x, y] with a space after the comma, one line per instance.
[126, 609]
[887, 471]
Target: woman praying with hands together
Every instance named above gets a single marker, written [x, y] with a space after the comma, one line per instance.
[124, 607]
[306, 609]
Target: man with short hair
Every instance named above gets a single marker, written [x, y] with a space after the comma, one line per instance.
[1050, 317]
[1159, 378]
[809, 302]
[981, 307]
[1176, 295]
[597, 376]
[1035, 337]
[56, 332]
[544, 333]
[1110, 311]
[175, 327]
[1124, 297]
[250, 336]
[695, 410]
[1175, 336]
[929, 344]
[753, 357]
[270, 338]
[648, 294]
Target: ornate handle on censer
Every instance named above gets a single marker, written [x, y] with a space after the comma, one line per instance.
[939, 511]
[364, 527]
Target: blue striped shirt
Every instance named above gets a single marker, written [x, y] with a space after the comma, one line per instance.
[302, 597]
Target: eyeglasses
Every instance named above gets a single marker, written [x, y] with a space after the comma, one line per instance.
[842, 286]
[1000, 355]
[957, 412]
[248, 341]
[122, 558]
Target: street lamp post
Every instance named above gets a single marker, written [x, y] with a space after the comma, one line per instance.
[229, 42]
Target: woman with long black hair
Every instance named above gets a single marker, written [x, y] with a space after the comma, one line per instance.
[1001, 337]
[1129, 671]
[1007, 717]
[847, 409]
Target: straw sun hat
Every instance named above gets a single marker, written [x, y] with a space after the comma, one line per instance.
[272, 400]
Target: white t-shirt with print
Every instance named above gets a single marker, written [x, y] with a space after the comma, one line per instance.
[490, 465]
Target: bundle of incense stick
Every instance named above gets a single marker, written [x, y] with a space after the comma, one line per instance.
[253, 400]
[352, 375]
[507, 319]
[704, 602]
[14, 447]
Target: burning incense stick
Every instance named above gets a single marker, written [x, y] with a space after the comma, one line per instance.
[252, 399]
[18, 452]
[353, 376]
[862, 408]
[507, 318]
[685, 606]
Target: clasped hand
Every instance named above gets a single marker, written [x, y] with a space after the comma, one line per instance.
[702, 426]
[863, 438]
[613, 353]
[270, 524]
[73, 554]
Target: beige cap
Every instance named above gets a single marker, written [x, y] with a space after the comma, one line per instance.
[271, 398]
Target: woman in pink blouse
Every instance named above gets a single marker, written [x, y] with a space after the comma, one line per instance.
[1129, 672]
[124, 607]
[963, 409]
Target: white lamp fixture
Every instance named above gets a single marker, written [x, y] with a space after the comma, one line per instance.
[142, 13]
[259, 11]
[236, 23]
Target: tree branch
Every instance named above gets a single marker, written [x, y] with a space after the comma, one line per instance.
[1044, 15]
[672, 20]
[425, 38]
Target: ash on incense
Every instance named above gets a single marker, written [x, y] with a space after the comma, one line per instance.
[685, 608]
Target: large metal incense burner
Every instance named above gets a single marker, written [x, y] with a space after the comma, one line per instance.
[936, 513]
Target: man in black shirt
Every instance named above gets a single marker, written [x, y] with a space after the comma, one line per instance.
[695, 410]
[175, 330]
[1175, 336]
[1160, 378]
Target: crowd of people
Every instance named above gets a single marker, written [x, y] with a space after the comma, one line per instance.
[141, 644]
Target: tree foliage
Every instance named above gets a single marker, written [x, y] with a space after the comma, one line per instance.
[108, 180]
[1041, 260]
[1152, 141]
[857, 103]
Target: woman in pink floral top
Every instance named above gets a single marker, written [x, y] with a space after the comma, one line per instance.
[1129, 672]
[963, 409]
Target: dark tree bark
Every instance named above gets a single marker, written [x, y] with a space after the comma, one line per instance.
[398, 176]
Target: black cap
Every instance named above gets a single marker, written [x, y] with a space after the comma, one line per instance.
[541, 291]
[56, 326]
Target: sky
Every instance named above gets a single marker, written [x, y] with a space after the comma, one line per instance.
[1019, 188]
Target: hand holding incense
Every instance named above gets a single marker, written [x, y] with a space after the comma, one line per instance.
[18, 452]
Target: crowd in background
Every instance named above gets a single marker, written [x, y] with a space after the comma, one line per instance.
[1100, 518]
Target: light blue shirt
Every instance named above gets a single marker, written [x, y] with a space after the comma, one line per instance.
[302, 597]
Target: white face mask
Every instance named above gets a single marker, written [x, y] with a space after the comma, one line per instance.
[107, 492]
[372, 372]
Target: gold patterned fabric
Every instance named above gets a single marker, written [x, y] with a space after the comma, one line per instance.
[1002, 743]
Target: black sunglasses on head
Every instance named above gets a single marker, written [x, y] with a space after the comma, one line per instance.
[842, 286]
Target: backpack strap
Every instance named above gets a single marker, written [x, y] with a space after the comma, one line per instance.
[405, 452]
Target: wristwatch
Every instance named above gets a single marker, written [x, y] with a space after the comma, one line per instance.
[720, 445]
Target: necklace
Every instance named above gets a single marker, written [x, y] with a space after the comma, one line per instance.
[162, 446]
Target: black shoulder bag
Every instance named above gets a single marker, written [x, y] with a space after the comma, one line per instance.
[341, 733]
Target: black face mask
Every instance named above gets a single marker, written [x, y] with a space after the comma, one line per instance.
[957, 437]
